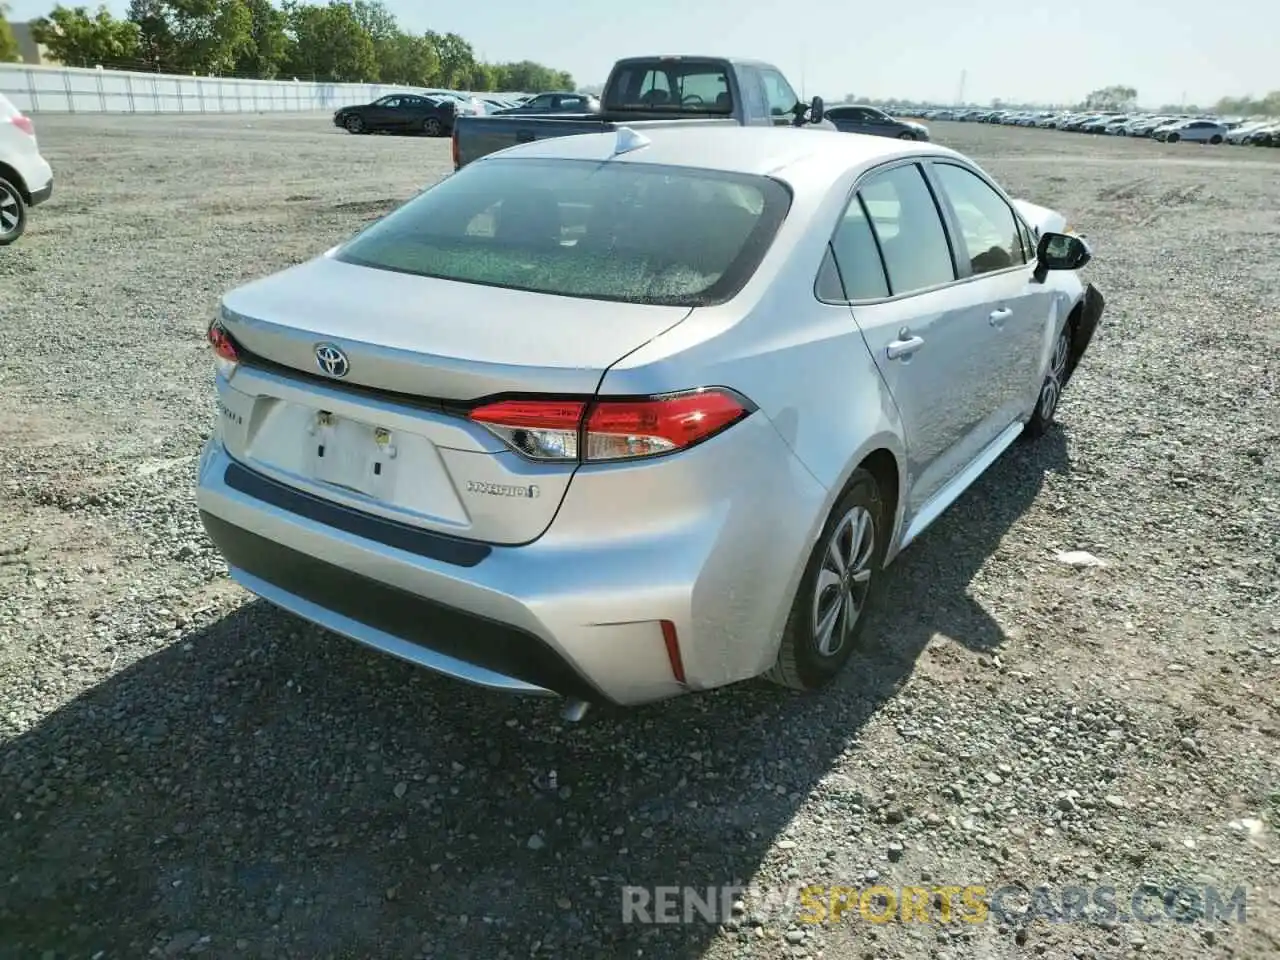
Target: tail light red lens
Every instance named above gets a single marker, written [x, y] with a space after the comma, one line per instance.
[224, 349]
[24, 124]
[609, 430]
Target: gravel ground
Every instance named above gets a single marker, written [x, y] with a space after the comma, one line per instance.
[184, 770]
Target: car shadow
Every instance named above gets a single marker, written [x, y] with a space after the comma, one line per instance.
[261, 788]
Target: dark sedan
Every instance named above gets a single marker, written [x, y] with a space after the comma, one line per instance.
[400, 113]
[860, 119]
[555, 103]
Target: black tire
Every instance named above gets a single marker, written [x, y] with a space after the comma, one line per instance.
[1215, 139]
[1051, 389]
[13, 213]
[906, 135]
[1172, 138]
[801, 665]
[432, 127]
[354, 124]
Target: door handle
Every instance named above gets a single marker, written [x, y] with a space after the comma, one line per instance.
[998, 317]
[903, 348]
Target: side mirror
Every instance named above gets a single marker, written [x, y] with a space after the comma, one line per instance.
[1061, 251]
[817, 110]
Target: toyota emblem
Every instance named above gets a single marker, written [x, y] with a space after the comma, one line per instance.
[331, 360]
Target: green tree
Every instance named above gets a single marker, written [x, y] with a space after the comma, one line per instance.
[9, 51]
[531, 77]
[269, 45]
[76, 38]
[330, 44]
[484, 76]
[1116, 97]
[408, 60]
[380, 25]
[1268, 106]
[457, 59]
[194, 36]
[156, 43]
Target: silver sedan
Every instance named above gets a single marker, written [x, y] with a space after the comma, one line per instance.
[624, 415]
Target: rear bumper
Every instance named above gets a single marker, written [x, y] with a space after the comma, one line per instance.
[576, 613]
[44, 193]
[481, 651]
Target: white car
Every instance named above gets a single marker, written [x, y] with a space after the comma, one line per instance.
[1244, 130]
[26, 179]
[636, 414]
[1193, 131]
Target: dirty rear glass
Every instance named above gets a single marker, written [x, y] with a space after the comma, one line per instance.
[620, 231]
[687, 86]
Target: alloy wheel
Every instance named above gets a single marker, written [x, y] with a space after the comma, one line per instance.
[844, 580]
[10, 210]
[1052, 389]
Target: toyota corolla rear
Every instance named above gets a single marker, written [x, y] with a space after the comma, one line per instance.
[417, 445]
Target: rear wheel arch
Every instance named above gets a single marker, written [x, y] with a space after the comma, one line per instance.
[887, 471]
[887, 467]
[9, 173]
[872, 483]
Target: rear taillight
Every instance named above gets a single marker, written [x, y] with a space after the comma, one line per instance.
[224, 349]
[24, 124]
[606, 429]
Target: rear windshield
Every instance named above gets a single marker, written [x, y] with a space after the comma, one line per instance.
[630, 232]
[689, 86]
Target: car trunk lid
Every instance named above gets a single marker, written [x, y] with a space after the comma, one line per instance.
[390, 435]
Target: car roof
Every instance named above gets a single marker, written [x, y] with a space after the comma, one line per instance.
[733, 149]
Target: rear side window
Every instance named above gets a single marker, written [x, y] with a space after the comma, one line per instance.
[685, 85]
[638, 233]
[909, 228]
[857, 256]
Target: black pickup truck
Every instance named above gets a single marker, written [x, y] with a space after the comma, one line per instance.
[647, 92]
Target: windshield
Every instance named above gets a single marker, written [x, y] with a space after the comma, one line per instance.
[683, 85]
[637, 233]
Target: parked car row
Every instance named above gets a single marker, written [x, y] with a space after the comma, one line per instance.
[1168, 128]
[432, 112]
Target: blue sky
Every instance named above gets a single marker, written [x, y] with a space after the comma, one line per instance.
[1037, 50]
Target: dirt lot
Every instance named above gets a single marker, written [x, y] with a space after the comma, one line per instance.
[185, 771]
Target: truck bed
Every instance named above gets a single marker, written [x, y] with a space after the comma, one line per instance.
[476, 137]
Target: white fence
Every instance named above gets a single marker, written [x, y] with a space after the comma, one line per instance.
[35, 89]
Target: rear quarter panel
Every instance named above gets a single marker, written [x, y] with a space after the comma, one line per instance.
[802, 362]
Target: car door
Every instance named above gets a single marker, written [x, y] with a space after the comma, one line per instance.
[381, 114]
[841, 117]
[543, 103]
[414, 110]
[991, 246]
[878, 124]
[924, 329]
